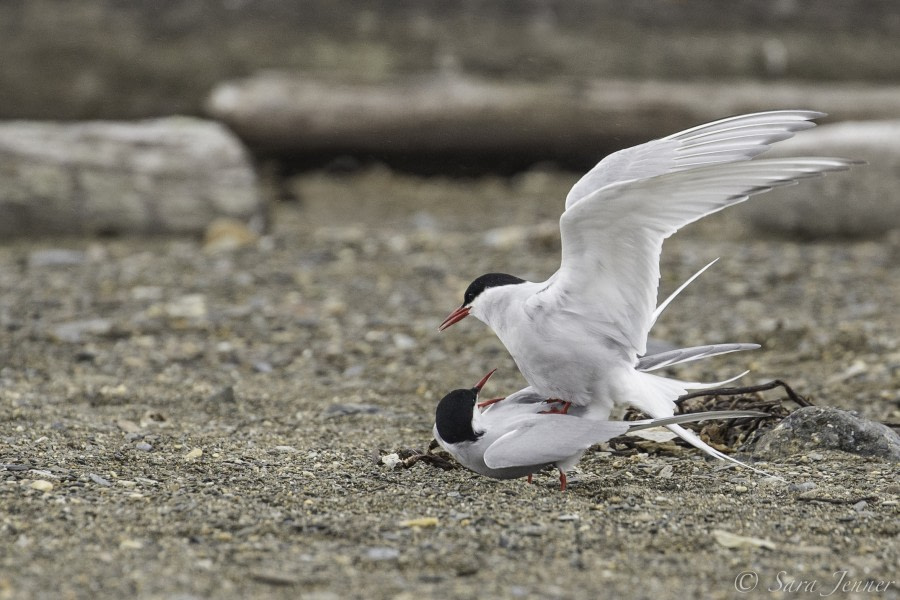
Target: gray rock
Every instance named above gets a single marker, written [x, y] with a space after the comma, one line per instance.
[825, 428]
[158, 176]
[862, 203]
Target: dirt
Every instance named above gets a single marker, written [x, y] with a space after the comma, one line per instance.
[182, 424]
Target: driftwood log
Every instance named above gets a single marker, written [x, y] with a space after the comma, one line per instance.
[165, 175]
[291, 114]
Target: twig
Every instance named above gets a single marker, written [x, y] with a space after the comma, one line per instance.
[737, 391]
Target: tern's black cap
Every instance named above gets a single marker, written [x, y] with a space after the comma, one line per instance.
[488, 280]
[453, 417]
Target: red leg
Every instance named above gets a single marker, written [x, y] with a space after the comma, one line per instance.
[487, 403]
[529, 478]
[562, 481]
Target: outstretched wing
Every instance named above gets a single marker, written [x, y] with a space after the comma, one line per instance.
[612, 239]
[546, 439]
[727, 140]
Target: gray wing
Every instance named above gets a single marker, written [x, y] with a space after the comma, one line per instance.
[547, 439]
[727, 140]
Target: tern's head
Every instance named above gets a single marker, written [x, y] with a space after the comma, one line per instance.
[475, 294]
[453, 418]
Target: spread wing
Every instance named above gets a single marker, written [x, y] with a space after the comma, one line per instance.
[546, 439]
[727, 140]
[612, 239]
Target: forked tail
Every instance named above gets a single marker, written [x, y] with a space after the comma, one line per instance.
[656, 396]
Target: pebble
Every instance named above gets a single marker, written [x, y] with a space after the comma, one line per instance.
[420, 522]
[805, 486]
[56, 257]
[727, 539]
[75, 331]
[42, 485]
[225, 234]
[382, 553]
[143, 447]
[391, 460]
[99, 480]
[194, 454]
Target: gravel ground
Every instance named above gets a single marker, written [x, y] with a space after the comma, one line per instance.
[181, 424]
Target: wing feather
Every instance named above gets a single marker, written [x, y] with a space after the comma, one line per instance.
[612, 239]
[726, 140]
[547, 439]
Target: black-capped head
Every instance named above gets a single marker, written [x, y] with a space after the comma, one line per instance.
[453, 417]
[486, 281]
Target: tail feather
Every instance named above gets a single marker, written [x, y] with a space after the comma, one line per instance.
[683, 355]
[656, 396]
[691, 438]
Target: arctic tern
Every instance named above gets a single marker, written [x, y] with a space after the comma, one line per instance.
[518, 435]
[579, 336]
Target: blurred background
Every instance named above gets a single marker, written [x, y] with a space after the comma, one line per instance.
[537, 80]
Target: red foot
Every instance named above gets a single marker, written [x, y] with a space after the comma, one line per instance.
[562, 481]
[487, 403]
[553, 410]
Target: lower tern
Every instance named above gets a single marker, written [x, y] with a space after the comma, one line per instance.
[517, 436]
[579, 337]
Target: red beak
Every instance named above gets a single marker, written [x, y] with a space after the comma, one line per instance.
[483, 381]
[455, 317]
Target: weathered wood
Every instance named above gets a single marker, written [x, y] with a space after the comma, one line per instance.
[125, 60]
[165, 175]
[279, 112]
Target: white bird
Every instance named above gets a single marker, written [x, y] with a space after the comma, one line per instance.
[579, 336]
[518, 435]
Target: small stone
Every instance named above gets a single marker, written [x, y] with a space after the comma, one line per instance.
[420, 522]
[382, 553]
[225, 234]
[190, 306]
[391, 460]
[194, 454]
[41, 485]
[56, 257]
[727, 539]
[143, 447]
[741, 489]
[75, 331]
[860, 506]
[404, 342]
[127, 426]
[99, 480]
[806, 486]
